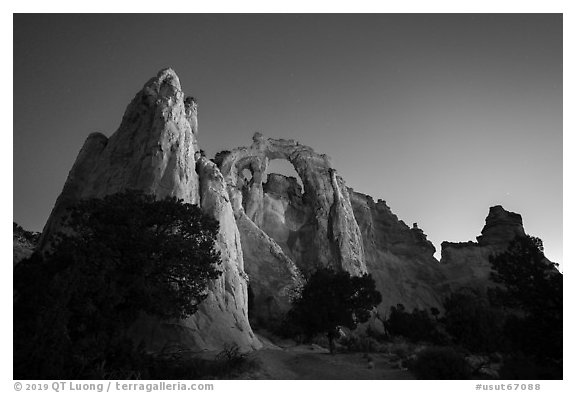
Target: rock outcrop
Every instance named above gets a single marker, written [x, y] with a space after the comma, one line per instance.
[400, 259]
[287, 232]
[274, 278]
[23, 243]
[289, 220]
[154, 151]
[273, 231]
[336, 238]
[467, 265]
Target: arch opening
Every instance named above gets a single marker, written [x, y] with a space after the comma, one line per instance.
[246, 175]
[285, 168]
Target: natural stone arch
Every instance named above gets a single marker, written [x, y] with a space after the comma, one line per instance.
[329, 236]
[285, 169]
[324, 191]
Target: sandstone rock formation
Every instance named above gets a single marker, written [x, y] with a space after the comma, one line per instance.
[400, 259]
[288, 219]
[273, 231]
[467, 265]
[24, 243]
[274, 278]
[154, 151]
[336, 237]
[285, 232]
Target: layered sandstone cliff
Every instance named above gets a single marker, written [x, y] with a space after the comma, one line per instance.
[467, 265]
[273, 230]
[400, 258]
[336, 239]
[287, 232]
[153, 150]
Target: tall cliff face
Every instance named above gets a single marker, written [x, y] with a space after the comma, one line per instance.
[289, 220]
[285, 232]
[336, 237]
[154, 151]
[467, 264]
[273, 232]
[400, 259]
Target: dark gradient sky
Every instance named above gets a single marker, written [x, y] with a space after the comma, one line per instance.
[442, 116]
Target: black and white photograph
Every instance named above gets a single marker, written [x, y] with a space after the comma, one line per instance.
[287, 196]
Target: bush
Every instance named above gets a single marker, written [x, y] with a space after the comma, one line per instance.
[472, 323]
[402, 349]
[522, 367]
[21, 233]
[330, 299]
[227, 364]
[440, 363]
[231, 358]
[355, 343]
[531, 287]
[124, 255]
[416, 325]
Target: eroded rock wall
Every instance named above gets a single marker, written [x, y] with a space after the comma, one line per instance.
[287, 232]
[400, 259]
[272, 232]
[336, 237]
[154, 151]
[289, 220]
[467, 265]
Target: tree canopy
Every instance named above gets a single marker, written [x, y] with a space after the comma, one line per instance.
[333, 298]
[120, 256]
[530, 282]
[531, 287]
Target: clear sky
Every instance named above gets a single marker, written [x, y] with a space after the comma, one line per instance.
[442, 116]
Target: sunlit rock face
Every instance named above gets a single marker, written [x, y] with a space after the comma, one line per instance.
[273, 231]
[289, 220]
[287, 232]
[154, 151]
[336, 237]
[274, 278]
[400, 259]
[467, 265]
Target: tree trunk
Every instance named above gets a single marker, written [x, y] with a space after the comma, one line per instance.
[331, 342]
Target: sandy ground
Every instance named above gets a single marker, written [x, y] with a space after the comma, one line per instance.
[278, 361]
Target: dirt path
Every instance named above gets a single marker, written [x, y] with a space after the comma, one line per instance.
[313, 362]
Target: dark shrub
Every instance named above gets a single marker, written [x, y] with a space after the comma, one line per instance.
[355, 343]
[532, 287]
[124, 255]
[522, 367]
[472, 323]
[21, 233]
[330, 299]
[440, 363]
[416, 325]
